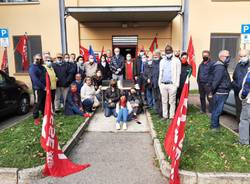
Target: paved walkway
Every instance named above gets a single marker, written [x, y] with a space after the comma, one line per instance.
[117, 157]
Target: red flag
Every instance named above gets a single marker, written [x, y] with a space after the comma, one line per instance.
[4, 64]
[175, 135]
[22, 49]
[85, 53]
[57, 164]
[154, 45]
[191, 56]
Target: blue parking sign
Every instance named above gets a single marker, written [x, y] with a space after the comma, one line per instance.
[245, 29]
[4, 37]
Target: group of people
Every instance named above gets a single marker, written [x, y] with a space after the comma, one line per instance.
[215, 84]
[158, 78]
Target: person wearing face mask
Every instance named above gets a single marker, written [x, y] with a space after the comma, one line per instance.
[111, 97]
[103, 66]
[185, 70]
[169, 80]
[109, 56]
[221, 85]
[147, 79]
[117, 65]
[63, 80]
[52, 76]
[238, 76]
[71, 67]
[73, 103]
[204, 80]
[90, 67]
[155, 77]
[130, 69]
[139, 68]
[78, 81]
[80, 66]
[37, 75]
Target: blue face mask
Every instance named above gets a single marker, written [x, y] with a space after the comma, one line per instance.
[58, 61]
[48, 63]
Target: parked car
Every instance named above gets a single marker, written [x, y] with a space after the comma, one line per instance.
[230, 105]
[14, 96]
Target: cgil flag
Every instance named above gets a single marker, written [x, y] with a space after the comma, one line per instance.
[154, 45]
[57, 164]
[191, 56]
[4, 64]
[22, 49]
[175, 135]
[84, 53]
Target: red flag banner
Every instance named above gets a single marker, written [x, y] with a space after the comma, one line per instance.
[154, 45]
[191, 56]
[57, 164]
[22, 49]
[175, 135]
[84, 52]
[4, 64]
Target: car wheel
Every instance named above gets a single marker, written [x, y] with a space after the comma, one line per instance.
[23, 105]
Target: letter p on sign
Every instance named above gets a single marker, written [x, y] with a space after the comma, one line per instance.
[245, 29]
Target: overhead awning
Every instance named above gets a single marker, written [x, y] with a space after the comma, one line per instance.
[124, 14]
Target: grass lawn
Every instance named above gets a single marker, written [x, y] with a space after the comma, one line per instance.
[20, 144]
[204, 150]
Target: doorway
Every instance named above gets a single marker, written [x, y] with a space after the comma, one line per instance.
[127, 44]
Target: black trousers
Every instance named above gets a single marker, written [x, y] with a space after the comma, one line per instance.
[204, 90]
[157, 99]
[39, 102]
[238, 104]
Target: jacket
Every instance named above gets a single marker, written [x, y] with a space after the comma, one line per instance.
[221, 82]
[72, 100]
[80, 69]
[114, 96]
[88, 92]
[106, 73]
[175, 71]
[185, 68]
[205, 72]
[37, 75]
[133, 68]
[148, 74]
[238, 76]
[52, 76]
[72, 70]
[245, 91]
[138, 63]
[155, 73]
[63, 74]
[90, 70]
[116, 63]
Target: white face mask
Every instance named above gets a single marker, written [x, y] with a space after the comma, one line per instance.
[80, 62]
[67, 60]
[103, 60]
[117, 53]
[141, 53]
[128, 58]
[244, 59]
[48, 63]
[150, 62]
[168, 56]
[91, 60]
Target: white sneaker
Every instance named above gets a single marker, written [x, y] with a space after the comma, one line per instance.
[124, 127]
[118, 127]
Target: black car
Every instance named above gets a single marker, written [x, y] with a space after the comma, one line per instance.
[14, 96]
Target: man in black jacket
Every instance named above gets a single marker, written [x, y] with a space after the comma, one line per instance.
[71, 67]
[37, 75]
[221, 86]
[238, 76]
[63, 80]
[117, 65]
[204, 80]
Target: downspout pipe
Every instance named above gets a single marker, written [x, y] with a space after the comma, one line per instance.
[63, 30]
[185, 25]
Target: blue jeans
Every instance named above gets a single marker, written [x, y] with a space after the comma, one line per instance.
[218, 104]
[122, 115]
[76, 110]
[150, 97]
[109, 111]
[88, 104]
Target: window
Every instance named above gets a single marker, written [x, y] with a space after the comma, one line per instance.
[18, 1]
[34, 46]
[229, 42]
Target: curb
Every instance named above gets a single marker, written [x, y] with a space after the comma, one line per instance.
[189, 177]
[26, 176]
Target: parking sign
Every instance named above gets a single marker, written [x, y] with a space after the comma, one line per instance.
[4, 37]
[245, 33]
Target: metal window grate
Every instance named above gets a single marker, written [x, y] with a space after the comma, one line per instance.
[124, 40]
